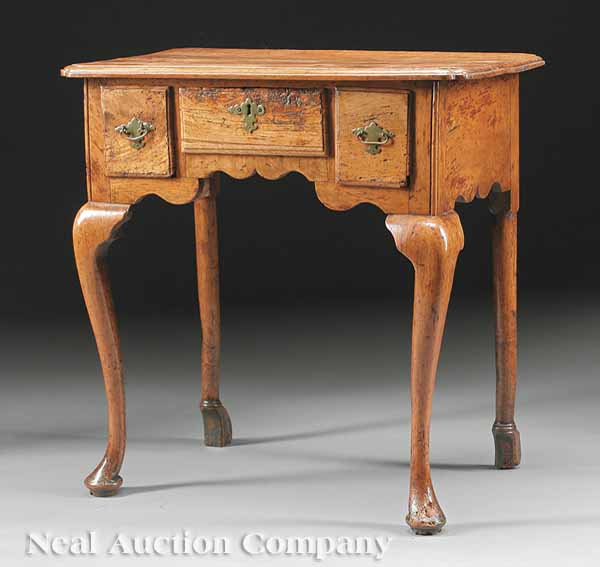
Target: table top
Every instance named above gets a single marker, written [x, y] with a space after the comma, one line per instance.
[284, 64]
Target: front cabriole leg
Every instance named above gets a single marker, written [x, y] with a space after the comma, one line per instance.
[432, 245]
[95, 228]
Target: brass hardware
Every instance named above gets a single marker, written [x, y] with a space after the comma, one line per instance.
[136, 131]
[249, 111]
[373, 136]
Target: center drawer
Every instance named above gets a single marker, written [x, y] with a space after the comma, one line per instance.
[252, 121]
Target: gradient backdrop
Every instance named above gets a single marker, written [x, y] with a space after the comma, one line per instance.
[316, 306]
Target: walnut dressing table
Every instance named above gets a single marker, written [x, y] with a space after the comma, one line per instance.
[409, 132]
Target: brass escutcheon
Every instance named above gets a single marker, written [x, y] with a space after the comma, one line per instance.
[136, 131]
[249, 110]
[373, 136]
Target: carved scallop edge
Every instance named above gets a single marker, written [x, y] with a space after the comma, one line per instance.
[179, 191]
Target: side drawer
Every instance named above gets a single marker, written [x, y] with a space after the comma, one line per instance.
[372, 138]
[136, 132]
[252, 121]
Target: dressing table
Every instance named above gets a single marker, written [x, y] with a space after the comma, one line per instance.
[408, 132]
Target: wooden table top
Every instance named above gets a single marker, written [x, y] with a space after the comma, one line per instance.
[282, 64]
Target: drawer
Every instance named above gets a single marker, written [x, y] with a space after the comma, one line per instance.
[372, 137]
[136, 132]
[252, 121]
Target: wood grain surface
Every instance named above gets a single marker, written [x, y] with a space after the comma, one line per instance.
[119, 106]
[217, 423]
[476, 141]
[432, 244]
[507, 439]
[292, 123]
[269, 167]
[96, 226]
[455, 117]
[462, 139]
[333, 65]
[357, 109]
[178, 191]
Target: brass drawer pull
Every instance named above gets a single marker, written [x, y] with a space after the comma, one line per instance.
[136, 131]
[373, 136]
[249, 110]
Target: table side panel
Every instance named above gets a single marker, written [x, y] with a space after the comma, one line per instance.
[99, 189]
[475, 128]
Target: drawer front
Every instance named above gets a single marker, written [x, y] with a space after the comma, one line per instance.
[372, 138]
[252, 121]
[136, 132]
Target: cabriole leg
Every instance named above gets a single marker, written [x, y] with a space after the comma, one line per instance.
[95, 228]
[432, 245]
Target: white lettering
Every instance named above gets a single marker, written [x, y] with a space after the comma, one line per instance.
[43, 545]
[159, 542]
[253, 544]
[142, 545]
[121, 546]
[184, 543]
[301, 546]
[201, 545]
[275, 545]
[79, 546]
[93, 543]
[344, 546]
[59, 545]
[325, 546]
[221, 546]
[181, 543]
[363, 546]
[383, 544]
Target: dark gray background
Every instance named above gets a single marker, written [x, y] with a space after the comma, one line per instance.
[278, 243]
